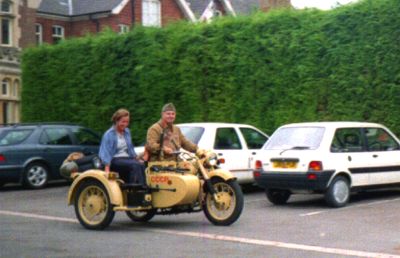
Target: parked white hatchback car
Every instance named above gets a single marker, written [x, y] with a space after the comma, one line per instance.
[332, 158]
[235, 144]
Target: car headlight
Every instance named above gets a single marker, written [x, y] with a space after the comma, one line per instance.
[97, 163]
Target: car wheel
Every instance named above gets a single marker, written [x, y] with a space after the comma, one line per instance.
[338, 193]
[36, 175]
[277, 197]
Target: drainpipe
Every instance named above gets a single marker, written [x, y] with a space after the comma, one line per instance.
[133, 12]
[96, 21]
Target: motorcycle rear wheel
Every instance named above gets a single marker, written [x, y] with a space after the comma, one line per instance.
[228, 210]
[92, 205]
[141, 216]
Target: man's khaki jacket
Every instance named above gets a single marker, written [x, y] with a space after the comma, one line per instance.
[173, 138]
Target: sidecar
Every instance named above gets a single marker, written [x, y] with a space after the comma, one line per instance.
[171, 188]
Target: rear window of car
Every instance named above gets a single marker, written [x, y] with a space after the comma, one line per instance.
[192, 133]
[295, 138]
[12, 137]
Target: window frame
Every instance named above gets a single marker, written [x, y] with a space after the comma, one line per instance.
[15, 89]
[46, 139]
[245, 131]
[76, 135]
[9, 6]
[39, 34]
[9, 31]
[123, 28]
[217, 145]
[151, 17]
[55, 36]
[5, 86]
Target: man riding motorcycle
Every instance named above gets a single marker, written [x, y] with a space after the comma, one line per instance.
[164, 138]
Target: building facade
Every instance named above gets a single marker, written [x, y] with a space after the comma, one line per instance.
[56, 20]
[27, 23]
[11, 15]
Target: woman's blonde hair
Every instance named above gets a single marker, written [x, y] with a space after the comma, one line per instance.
[120, 113]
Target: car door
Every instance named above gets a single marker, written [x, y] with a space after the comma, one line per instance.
[384, 152]
[232, 151]
[55, 145]
[254, 140]
[349, 153]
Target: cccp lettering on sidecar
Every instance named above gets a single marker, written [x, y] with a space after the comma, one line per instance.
[191, 184]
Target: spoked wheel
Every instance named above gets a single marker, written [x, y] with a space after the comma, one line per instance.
[228, 206]
[141, 216]
[92, 205]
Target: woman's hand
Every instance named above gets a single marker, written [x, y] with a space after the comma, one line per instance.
[107, 169]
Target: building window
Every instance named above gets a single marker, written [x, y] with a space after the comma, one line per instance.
[15, 90]
[39, 34]
[5, 84]
[123, 28]
[5, 6]
[5, 31]
[58, 33]
[6, 112]
[151, 13]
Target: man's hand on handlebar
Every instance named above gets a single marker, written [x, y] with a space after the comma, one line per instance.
[167, 150]
[201, 153]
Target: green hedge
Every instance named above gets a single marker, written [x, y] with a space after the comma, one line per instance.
[266, 70]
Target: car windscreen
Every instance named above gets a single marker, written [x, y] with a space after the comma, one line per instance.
[12, 137]
[192, 133]
[295, 138]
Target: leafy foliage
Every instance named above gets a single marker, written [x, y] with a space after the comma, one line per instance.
[266, 70]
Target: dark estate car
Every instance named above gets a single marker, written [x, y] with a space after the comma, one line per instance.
[32, 154]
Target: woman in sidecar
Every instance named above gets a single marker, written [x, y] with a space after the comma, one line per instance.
[117, 152]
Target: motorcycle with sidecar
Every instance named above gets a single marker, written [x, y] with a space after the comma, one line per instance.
[189, 184]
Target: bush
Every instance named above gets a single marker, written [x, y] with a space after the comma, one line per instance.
[266, 70]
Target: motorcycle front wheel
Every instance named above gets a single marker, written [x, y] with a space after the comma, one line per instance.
[227, 209]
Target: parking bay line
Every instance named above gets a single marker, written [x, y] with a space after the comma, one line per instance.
[241, 240]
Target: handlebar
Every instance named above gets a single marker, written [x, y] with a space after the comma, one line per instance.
[168, 169]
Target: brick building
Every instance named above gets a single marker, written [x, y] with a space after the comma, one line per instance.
[25, 23]
[73, 18]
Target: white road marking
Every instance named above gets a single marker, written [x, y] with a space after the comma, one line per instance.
[37, 216]
[319, 249]
[311, 213]
[241, 240]
[349, 207]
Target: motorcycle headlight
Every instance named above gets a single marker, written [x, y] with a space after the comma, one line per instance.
[213, 160]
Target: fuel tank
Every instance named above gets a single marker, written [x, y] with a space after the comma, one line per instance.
[173, 188]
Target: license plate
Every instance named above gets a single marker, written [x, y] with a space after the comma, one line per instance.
[284, 164]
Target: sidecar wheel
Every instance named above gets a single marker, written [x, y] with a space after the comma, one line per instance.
[228, 210]
[92, 205]
[141, 216]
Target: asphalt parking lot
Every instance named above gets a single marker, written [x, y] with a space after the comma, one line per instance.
[38, 223]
